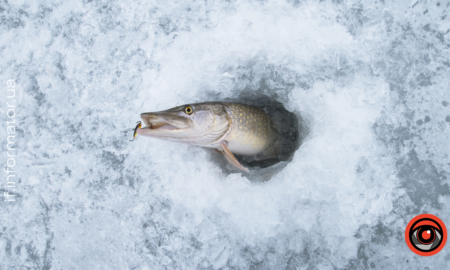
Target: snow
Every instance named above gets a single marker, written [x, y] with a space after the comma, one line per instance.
[370, 80]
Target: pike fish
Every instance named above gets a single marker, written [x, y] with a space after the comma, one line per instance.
[230, 128]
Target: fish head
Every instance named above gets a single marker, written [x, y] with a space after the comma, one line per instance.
[199, 124]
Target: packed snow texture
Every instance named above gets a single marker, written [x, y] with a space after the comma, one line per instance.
[370, 78]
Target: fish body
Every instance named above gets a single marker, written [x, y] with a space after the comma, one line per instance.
[228, 127]
[251, 129]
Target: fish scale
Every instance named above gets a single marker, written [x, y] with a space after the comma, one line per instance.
[250, 127]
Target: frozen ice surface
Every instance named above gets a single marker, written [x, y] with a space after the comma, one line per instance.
[371, 79]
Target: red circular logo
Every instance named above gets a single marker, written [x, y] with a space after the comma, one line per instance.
[426, 235]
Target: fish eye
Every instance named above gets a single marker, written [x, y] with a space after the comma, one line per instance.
[426, 235]
[188, 109]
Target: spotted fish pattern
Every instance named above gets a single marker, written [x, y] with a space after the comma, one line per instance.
[251, 128]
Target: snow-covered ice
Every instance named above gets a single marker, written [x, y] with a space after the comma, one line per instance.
[370, 79]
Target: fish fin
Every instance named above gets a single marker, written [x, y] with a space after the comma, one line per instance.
[231, 158]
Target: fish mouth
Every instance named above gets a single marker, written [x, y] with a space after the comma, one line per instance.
[163, 125]
[157, 122]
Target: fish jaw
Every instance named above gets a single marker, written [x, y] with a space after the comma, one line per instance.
[165, 125]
